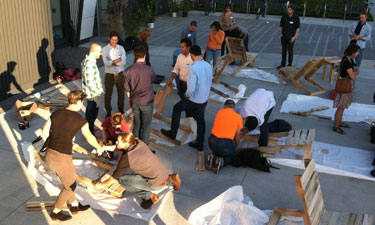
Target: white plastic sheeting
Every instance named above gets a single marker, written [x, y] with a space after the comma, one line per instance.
[253, 73]
[234, 96]
[127, 205]
[355, 113]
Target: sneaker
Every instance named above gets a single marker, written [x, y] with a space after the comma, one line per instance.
[289, 64]
[60, 216]
[76, 209]
[168, 133]
[146, 204]
[208, 159]
[279, 67]
[218, 163]
[372, 173]
[176, 181]
[194, 144]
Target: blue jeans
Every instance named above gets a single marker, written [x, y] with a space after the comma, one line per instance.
[222, 147]
[212, 55]
[142, 121]
[197, 111]
[358, 59]
[139, 186]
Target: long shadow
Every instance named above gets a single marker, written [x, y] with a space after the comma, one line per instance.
[44, 68]
[6, 79]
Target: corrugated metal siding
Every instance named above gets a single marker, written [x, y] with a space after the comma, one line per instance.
[23, 25]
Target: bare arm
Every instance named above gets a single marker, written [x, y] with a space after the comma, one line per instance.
[173, 76]
[46, 128]
[90, 138]
[237, 137]
[242, 133]
[352, 74]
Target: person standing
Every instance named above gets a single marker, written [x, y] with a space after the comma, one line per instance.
[214, 43]
[226, 22]
[196, 97]
[138, 86]
[224, 136]
[256, 111]
[150, 174]
[114, 59]
[342, 101]
[61, 128]
[190, 32]
[92, 84]
[143, 41]
[360, 33]
[240, 32]
[289, 29]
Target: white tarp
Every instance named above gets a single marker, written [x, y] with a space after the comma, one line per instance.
[234, 96]
[355, 113]
[253, 73]
[127, 205]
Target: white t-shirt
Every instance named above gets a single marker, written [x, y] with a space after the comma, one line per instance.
[257, 105]
[182, 66]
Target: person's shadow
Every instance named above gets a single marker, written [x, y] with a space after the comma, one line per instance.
[6, 79]
[44, 68]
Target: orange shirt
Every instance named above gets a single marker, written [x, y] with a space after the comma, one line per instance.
[215, 40]
[226, 123]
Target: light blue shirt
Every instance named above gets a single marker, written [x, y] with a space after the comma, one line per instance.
[199, 82]
[365, 33]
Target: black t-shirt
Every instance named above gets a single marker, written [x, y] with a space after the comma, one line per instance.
[346, 64]
[65, 124]
[289, 25]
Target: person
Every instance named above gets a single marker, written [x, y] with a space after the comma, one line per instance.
[114, 59]
[224, 136]
[138, 86]
[112, 127]
[92, 84]
[181, 69]
[190, 32]
[360, 33]
[256, 111]
[143, 41]
[240, 32]
[150, 174]
[226, 22]
[289, 29]
[215, 39]
[348, 70]
[61, 128]
[196, 97]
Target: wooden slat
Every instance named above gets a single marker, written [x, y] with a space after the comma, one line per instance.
[371, 219]
[296, 137]
[169, 121]
[315, 201]
[153, 145]
[345, 218]
[311, 136]
[274, 219]
[306, 176]
[289, 140]
[290, 212]
[318, 213]
[333, 218]
[352, 218]
[358, 219]
[313, 186]
[159, 134]
[302, 138]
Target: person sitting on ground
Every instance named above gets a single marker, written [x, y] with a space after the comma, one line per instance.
[150, 174]
[112, 127]
[256, 111]
[224, 136]
[61, 128]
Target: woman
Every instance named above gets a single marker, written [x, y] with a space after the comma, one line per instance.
[61, 128]
[215, 39]
[227, 22]
[143, 40]
[348, 71]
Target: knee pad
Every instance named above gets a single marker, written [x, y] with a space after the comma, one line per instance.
[73, 186]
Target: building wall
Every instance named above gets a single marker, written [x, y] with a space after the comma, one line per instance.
[24, 26]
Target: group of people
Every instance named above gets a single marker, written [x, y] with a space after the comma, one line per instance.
[194, 78]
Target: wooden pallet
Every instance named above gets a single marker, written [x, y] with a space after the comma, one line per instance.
[309, 113]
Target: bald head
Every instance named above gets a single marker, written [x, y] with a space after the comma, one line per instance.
[95, 50]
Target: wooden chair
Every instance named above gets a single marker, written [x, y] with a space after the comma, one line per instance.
[297, 139]
[294, 74]
[332, 61]
[314, 212]
[236, 50]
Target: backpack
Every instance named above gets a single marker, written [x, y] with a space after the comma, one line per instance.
[279, 126]
[72, 74]
[252, 158]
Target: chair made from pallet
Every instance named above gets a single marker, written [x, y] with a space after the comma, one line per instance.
[159, 102]
[236, 50]
[297, 139]
[333, 62]
[294, 73]
[314, 212]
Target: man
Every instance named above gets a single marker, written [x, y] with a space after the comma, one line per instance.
[256, 111]
[196, 97]
[181, 69]
[190, 33]
[360, 33]
[224, 136]
[150, 174]
[114, 59]
[92, 84]
[138, 86]
[289, 29]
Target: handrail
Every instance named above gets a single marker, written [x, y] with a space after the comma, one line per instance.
[304, 9]
[325, 9]
[346, 8]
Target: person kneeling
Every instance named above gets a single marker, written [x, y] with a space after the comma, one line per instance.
[150, 174]
[224, 137]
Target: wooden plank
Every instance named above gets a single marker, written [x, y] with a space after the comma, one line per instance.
[40, 205]
[371, 219]
[159, 134]
[185, 137]
[333, 218]
[358, 219]
[289, 140]
[234, 89]
[345, 218]
[290, 212]
[302, 138]
[218, 92]
[313, 187]
[159, 147]
[306, 176]
[312, 115]
[307, 153]
[169, 121]
[352, 218]
[314, 204]
[296, 136]
[318, 214]
[274, 218]
[311, 136]
[162, 101]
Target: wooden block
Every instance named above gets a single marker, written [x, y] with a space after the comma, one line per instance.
[200, 161]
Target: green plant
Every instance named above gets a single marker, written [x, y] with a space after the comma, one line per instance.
[149, 9]
[132, 21]
[174, 6]
[114, 10]
[186, 5]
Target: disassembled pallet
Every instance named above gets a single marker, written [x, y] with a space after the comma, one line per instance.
[309, 113]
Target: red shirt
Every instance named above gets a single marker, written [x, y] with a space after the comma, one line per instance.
[111, 131]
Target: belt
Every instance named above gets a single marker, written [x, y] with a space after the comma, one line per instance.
[165, 182]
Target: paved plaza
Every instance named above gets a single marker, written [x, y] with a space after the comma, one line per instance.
[267, 190]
